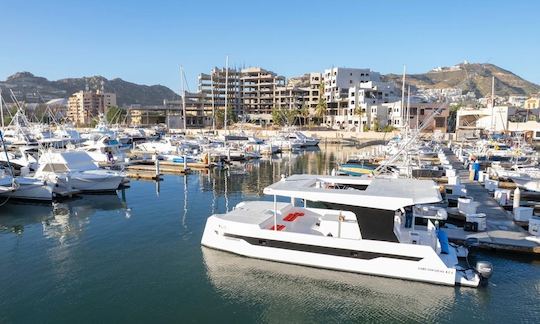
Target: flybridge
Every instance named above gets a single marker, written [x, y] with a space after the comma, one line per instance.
[379, 193]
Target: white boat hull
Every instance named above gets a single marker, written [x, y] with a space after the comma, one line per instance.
[33, 191]
[395, 260]
[527, 183]
[94, 184]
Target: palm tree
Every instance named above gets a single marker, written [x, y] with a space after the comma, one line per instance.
[304, 113]
[322, 106]
[358, 111]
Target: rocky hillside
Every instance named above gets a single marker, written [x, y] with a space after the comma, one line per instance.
[471, 77]
[30, 88]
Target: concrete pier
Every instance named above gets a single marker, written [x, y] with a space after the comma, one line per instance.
[502, 233]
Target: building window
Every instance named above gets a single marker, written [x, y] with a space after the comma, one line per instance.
[439, 122]
[422, 112]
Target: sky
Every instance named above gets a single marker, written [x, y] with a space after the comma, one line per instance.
[146, 42]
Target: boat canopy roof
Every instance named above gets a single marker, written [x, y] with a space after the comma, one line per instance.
[74, 160]
[379, 193]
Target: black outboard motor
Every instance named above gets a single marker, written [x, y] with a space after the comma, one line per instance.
[484, 270]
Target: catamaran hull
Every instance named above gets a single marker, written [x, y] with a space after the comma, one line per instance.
[409, 262]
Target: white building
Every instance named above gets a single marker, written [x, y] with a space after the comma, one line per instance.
[337, 84]
[497, 119]
[517, 101]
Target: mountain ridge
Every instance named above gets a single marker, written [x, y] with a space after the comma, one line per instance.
[31, 88]
[470, 77]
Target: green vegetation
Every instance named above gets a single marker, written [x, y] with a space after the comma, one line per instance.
[284, 117]
[115, 114]
[220, 117]
[322, 106]
[452, 115]
[304, 113]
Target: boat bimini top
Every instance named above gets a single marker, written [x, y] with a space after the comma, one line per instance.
[379, 193]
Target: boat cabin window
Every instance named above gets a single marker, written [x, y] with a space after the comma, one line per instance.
[348, 186]
[55, 167]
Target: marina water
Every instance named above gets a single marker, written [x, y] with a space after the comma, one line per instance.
[136, 256]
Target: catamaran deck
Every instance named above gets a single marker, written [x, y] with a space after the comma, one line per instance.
[288, 218]
[502, 233]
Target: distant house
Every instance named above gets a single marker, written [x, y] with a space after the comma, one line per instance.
[532, 103]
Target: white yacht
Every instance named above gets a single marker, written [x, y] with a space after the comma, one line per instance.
[306, 140]
[163, 146]
[6, 181]
[76, 170]
[360, 225]
[31, 188]
[101, 148]
[285, 143]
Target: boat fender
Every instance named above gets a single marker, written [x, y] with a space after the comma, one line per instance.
[443, 239]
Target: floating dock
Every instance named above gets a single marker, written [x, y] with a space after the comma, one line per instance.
[502, 232]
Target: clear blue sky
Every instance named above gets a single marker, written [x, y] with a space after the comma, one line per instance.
[147, 41]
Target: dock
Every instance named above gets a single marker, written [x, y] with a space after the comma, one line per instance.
[502, 232]
[163, 169]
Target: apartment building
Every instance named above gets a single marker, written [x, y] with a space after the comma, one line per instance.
[212, 87]
[290, 97]
[258, 87]
[311, 83]
[198, 110]
[83, 106]
[251, 94]
[338, 81]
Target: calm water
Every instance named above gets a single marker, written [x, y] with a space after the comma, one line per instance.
[135, 256]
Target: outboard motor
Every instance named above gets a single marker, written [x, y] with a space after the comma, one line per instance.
[484, 270]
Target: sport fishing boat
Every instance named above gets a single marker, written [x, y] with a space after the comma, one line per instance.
[76, 170]
[355, 225]
[6, 181]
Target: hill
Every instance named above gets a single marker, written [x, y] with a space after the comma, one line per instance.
[475, 77]
[30, 88]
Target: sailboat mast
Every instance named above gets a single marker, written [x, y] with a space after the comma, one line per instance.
[183, 93]
[226, 92]
[213, 102]
[1, 109]
[408, 107]
[403, 95]
[493, 104]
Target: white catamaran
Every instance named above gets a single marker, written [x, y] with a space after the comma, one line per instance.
[359, 225]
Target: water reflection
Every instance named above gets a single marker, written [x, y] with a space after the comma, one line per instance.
[61, 219]
[306, 293]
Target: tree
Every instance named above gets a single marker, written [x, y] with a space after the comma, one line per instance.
[452, 117]
[115, 114]
[322, 106]
[277, 118]
[304, 113]
[360, 112]
[284, 117]
[220, 117]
